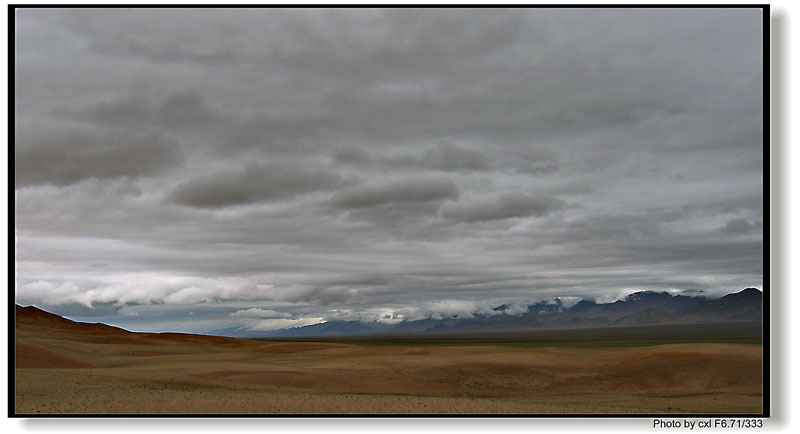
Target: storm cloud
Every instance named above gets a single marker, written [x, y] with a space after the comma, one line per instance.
[196, 169]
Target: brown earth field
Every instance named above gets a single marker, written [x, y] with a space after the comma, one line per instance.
[63, 367]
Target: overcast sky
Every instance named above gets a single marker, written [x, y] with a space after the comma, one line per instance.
[198, 169]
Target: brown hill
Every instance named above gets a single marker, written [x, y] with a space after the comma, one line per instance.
[46, 340]
[33, 319]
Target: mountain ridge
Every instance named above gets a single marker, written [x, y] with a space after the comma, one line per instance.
[638, 308]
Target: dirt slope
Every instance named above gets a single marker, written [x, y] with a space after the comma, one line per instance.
[31, 356]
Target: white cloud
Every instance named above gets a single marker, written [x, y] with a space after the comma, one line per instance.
[256, 312]
[568, 302]
[282, 323]
[516, 309]
[54, 293]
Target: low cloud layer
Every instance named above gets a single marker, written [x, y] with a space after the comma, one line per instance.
[197, 169]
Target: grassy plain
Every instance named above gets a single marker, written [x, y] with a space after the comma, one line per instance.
[69, 368]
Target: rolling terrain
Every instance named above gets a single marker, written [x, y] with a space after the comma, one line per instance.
[64, 367]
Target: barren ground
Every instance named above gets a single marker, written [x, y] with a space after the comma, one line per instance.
[64, 367]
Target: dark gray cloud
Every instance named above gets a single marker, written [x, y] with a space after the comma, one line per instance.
[176, 110]
[401, 191]
[742, 226]
[323, 296]
[128, 47]
[195, 169]
[507, 206]
[254, 183]
[449, 156]
[444, 157]
[71, 155]
[403, 208]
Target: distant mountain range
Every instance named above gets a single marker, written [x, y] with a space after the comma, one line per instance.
[640, 308]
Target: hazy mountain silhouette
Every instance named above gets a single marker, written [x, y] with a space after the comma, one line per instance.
[640, 308]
